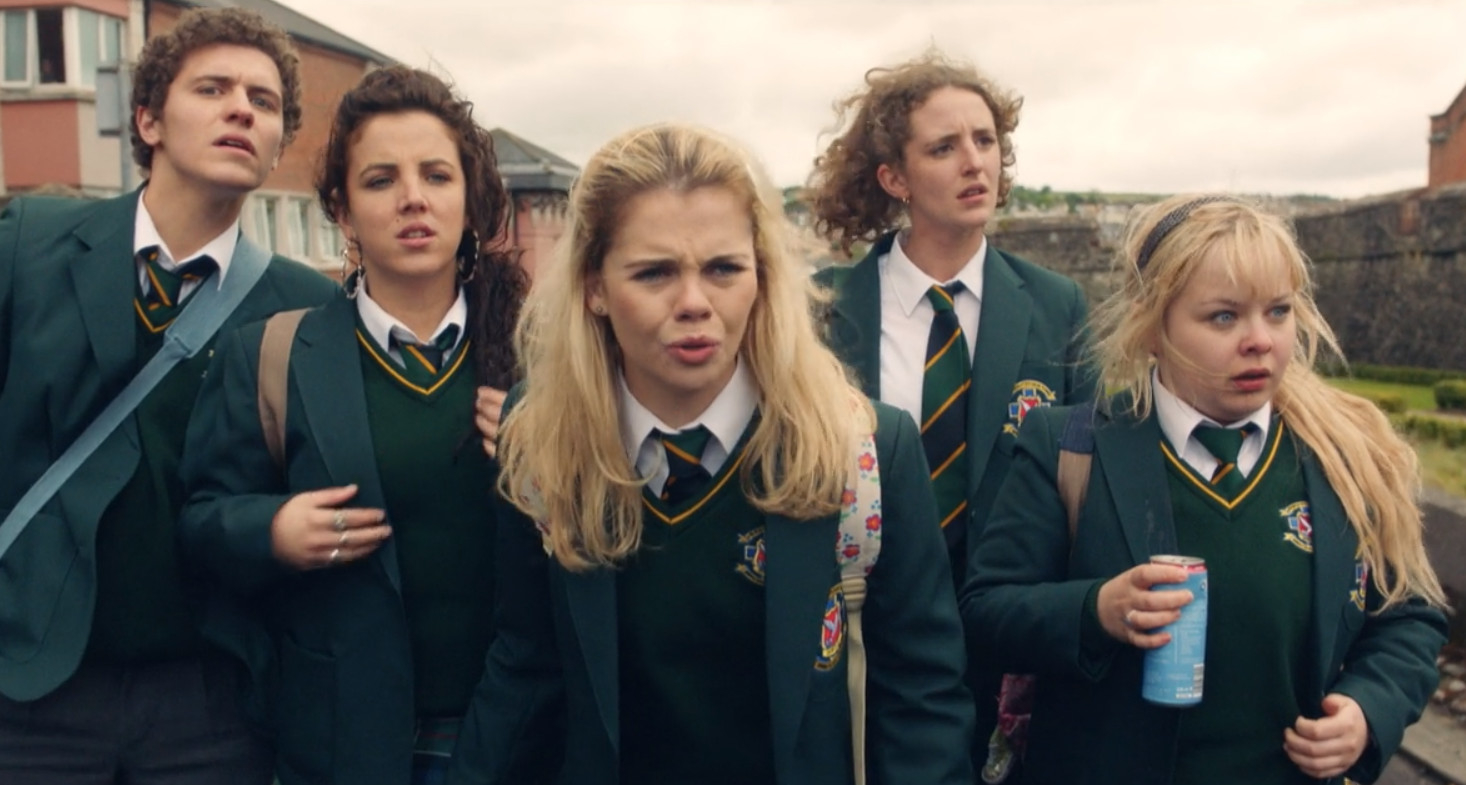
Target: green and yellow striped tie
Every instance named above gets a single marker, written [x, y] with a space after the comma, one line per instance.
[159, 299]
[944, 388]
[685, 473]
[1225, 444]
[422, 363]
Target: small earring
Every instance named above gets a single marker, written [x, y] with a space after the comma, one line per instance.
[468, 256]
[598, 309]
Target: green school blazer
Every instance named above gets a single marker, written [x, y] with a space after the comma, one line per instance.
[328, 651]
[1024, 600]
[67, 347]
[1029, 344]
[547, 710]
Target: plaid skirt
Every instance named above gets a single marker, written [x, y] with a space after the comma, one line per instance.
[432, 749]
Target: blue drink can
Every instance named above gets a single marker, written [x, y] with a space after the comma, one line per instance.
[1173, 673]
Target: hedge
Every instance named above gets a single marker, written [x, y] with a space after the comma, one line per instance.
[1390, 403]
[1450, 432]
[1393, 374]
[1450, 394]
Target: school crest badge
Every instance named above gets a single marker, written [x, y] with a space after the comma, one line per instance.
[751, 562]
[1028, 395]
[832, 631]
[1361, 585]
[1300, 526]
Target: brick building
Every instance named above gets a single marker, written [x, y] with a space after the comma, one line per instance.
[49, 54]
[1448, 144]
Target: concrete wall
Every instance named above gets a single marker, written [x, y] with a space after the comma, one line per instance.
[1391, 270]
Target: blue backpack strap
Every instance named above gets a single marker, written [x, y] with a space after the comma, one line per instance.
[190, 332]
[1076, 457]
[856, 551]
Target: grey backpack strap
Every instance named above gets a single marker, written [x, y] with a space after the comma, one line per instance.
[274, 377]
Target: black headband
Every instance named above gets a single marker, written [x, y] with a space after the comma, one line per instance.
[1170, 222]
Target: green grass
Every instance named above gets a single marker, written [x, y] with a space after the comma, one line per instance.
[1441, 467]
[1416, 397]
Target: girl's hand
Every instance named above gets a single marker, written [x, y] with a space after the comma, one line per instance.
[1328, 746]
[487, 407]
[311, 530]
[1128, 608]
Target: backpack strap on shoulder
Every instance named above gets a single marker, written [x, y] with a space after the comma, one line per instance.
[274, 378]
[1076, 457]
[856, 551]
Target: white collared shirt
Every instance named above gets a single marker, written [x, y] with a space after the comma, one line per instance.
[726, 418]
[380, 325]
[906, 321]
[145, 234]
[1178, 419]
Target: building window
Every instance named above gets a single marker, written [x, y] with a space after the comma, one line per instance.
[297, 228]
[61, 46]
[330, 235]
[17, 47]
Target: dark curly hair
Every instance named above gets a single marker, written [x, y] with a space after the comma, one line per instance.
[499, 284]
[163, 55]
[848, 203]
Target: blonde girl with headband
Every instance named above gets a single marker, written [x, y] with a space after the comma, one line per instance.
[1222, 443]
[683, 440]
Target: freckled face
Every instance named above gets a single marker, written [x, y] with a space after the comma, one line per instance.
[1229, 343]
[677, 285]
[951, 165]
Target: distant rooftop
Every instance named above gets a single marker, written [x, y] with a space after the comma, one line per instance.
[299, 26]
[526, 166]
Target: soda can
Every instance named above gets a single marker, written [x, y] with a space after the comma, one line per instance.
[1174, 672]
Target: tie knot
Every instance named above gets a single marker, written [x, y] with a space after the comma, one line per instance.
[1223, 443]
[428, 354]
[685, 447]
[943, 298]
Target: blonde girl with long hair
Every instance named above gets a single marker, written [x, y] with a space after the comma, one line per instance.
[1223, 443]
[676, 458]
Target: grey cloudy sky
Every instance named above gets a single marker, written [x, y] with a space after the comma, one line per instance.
[1282, 96]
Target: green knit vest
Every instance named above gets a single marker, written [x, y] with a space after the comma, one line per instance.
[694, 681]
[143, 613]
[439, 490]
[1259, 557]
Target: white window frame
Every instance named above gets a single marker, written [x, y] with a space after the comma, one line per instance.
[71, 20]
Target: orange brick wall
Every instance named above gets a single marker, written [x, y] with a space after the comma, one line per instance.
[41, 140]
[539, 220]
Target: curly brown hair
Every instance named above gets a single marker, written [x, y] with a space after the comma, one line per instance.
[848, 203]
[498, 284]
[163, 55]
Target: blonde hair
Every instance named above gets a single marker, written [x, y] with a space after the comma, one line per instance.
[1375, 472]
[561, 455]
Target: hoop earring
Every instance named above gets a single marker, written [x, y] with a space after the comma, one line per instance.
[352, 281]
[468, 256]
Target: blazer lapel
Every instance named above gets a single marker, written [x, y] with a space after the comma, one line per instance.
[1002, 334]
[856, 329]
[1334, 546]
[591, 596]
[1136, 476]
[799, 575]
[105, 278]
[326, 366]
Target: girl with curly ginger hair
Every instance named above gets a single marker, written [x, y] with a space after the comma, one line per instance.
[935, 320]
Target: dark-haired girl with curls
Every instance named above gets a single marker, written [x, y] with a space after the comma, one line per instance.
[354, 573]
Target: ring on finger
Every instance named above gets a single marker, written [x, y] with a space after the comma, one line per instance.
[338, 521]
[344, 537]
[1130, 618]
[334, 558]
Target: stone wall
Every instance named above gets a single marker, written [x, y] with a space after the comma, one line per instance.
[1391, 270]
